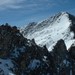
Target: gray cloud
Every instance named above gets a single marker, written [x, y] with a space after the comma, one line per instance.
[14, 4]
[29, 4]
[26, 4]
[38, 4]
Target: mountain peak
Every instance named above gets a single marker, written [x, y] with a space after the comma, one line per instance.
[62, 13]
[49, 31]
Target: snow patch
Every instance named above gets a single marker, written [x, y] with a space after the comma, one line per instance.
[5, 66]
[34, 64]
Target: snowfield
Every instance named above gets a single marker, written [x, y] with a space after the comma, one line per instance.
[51, 30]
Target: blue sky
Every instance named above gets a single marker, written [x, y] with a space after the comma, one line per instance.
[21, 12]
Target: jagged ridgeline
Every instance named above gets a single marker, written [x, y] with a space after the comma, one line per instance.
[49, 31]
[21, 56]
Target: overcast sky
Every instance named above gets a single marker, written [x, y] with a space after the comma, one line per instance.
[21, 12]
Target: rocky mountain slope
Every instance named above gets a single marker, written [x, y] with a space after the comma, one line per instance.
[48, 32]
[22, 56]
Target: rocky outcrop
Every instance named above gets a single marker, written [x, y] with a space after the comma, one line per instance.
[28, 57]
[72, 52]
[60, 58]
[21, 56]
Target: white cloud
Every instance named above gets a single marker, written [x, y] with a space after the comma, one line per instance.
[26, 4]
[38, 4]
[10, 4]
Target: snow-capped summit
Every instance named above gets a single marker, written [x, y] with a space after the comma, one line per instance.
[49, 31]
[22, 56]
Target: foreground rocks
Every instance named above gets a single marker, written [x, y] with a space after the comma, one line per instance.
[21, 56]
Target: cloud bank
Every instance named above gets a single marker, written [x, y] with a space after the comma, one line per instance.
[14, 4]
[25, 4]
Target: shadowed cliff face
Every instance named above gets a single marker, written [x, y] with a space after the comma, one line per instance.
[25, 54]
[72, 26]
[10, 38]
[21, 56]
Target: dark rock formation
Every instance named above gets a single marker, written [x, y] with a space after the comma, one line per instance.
[22, 56]
[72, 52]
